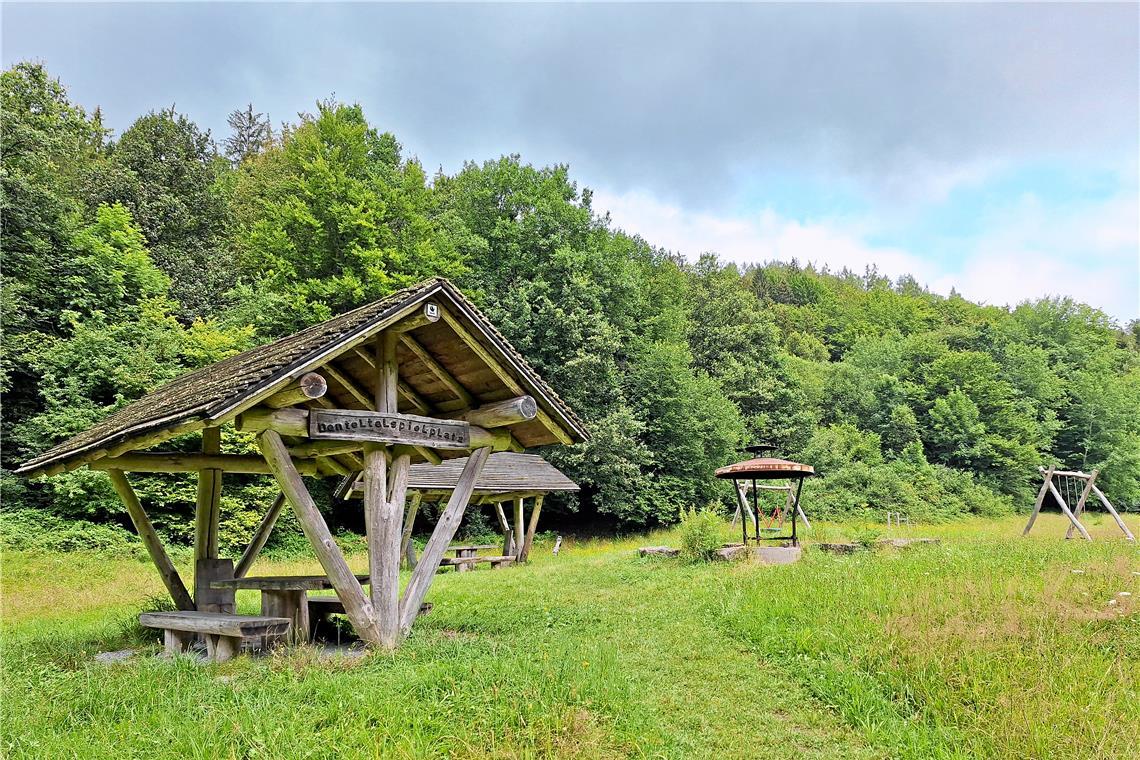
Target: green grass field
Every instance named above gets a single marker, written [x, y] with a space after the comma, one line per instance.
[988, 645]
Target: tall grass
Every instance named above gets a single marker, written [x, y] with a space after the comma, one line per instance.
[985, 646]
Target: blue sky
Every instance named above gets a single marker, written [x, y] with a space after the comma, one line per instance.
[987, 148]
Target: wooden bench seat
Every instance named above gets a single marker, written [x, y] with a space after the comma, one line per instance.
[223, 632]
[470, 562]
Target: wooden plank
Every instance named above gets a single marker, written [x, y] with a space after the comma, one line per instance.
[386, 575]
[207, 597]
[1040, 500]
[260, 537]
[151, 541]
[501, 372]
[356, 604]
[1068, 513]
[531, 528]
[437, 369]
[217, 623]
[283, 582]
[445, 529]
[380, 427]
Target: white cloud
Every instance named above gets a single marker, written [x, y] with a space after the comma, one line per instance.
[1021, 253]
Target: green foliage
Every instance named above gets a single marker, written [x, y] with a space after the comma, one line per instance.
[130, 262]
[700, 534]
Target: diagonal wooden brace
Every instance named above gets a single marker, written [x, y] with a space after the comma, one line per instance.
[449, 520]
[348, 589]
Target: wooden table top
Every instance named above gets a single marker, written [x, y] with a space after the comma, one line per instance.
[281, 582]
[471, 548]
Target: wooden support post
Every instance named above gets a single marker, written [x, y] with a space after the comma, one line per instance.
[1068, 513]
[207, 509]
[531, 527]
[152, 542]
[1040, 500]
[520, 530]
[260, 537]
[441, 537]
[1081, 501]
[505, 526]
[1112, 511]
[348, 589]
[409, 523]
[384, 502]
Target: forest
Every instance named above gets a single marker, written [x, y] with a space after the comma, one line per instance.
[130, 259]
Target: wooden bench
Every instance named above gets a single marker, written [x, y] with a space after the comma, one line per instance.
[467, 563]
[223, 632]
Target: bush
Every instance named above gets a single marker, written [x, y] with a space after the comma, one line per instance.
[37, 530]
[700, 534]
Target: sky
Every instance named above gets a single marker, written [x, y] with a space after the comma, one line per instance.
[992, 149]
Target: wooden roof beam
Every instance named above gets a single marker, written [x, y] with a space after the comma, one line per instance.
[438, 369]
[501, 372]
[242, 464]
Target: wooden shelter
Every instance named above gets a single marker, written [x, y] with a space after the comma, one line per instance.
[420, 376]
[506, 477]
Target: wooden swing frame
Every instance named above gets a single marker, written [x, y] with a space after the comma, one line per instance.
[1074, 514]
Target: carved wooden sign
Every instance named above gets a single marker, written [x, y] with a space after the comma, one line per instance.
[409, 429]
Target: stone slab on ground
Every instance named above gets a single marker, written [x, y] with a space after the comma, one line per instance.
[658, 551]
[902, 543]
[768, 555]
[776, 555]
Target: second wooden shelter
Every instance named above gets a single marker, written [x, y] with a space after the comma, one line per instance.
[507, 477]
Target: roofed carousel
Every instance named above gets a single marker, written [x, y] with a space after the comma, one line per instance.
[379, 397]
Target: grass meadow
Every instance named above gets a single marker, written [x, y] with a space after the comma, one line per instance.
[987, 645]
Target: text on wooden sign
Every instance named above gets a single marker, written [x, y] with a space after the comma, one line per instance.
[410, 429]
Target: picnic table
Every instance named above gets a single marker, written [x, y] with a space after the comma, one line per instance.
[285, 596]
[466, 552]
